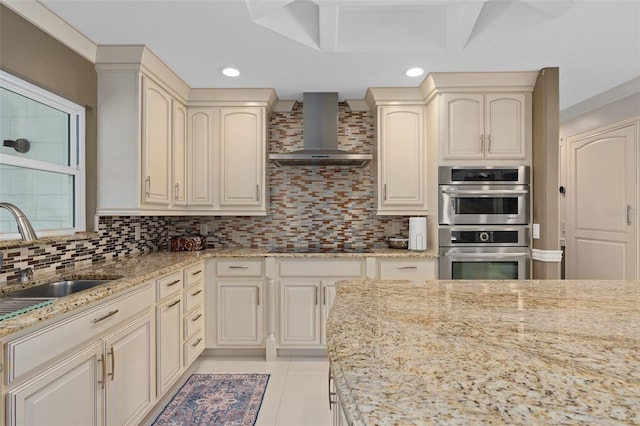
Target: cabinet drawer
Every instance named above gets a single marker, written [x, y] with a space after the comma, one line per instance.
[40, 347]
[322, 268]
[168, 285]
[409, 269]
[193, 322]
[193, 274]
[193, 296]
[239, 268]
[192, 348]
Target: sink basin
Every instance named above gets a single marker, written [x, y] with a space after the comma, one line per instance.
[58, 288]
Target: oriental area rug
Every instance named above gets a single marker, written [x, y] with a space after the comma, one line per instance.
[216, 399]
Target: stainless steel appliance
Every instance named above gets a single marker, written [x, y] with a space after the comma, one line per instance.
[487, 253]
[483, 195]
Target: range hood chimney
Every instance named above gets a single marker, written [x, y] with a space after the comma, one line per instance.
[320, 136]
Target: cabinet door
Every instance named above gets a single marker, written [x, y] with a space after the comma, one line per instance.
[179, 157]
[462, 126]
[130, 377]
[505, 124]
[156, 143]
[299, 313]
[402, 160]
[239, 313]
[169, 342]
[242, 158]
[70, 393]
[201, 157]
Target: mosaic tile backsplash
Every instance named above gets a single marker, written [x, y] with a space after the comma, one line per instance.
[328, 206]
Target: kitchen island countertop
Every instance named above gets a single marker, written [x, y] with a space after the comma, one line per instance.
[486, 352]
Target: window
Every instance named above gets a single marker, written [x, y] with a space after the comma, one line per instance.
[41, 159]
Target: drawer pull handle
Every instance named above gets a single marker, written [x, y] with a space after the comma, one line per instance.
[113, 363]
[173, 304]
[110, 314]
[196, 273]
[196, 293]
[196, 342]
[238, 267]
[196, 318]
[407, 267]
[172, 283]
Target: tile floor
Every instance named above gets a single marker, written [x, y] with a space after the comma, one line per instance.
[297, 391]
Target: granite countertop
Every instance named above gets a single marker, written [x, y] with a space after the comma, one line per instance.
[139, 269]
[487, 352]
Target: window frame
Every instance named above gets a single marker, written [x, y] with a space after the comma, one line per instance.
[76, 168]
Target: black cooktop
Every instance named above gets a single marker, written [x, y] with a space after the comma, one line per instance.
[312, 249]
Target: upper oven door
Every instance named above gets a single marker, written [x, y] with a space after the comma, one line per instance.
[483, 204]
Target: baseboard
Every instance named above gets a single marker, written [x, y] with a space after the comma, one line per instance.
[261, 353]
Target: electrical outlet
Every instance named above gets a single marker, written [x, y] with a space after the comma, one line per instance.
[136, 233]
[204, 229]
[536, 231]
[395, 228]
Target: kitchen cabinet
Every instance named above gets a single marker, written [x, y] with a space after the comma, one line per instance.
[407, 269]
[179, 153]
[156, 143]
[202, 154]
[484, 126]
[193, 318]
[306, 291]
[165, 149]
[227, 158]
[169, 343]
[243, 154]
[97, 368]
[239, 301]
[401, 160]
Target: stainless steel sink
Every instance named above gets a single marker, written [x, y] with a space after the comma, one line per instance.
[57, 289]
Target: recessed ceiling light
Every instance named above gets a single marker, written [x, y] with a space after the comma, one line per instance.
[414, 72]
[230, 72]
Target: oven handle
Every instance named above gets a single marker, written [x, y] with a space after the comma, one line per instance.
[485, 255]
[484, 191]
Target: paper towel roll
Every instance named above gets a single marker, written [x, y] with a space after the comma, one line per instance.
[417, 233]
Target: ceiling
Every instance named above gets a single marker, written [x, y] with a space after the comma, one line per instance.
[295, 46]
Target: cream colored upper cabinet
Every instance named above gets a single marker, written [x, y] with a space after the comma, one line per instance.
[156, 143]
[402, 160]
[483, 126]
[202, 157]
[242, 159]
[179, 154]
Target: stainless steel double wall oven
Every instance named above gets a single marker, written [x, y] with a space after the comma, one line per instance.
[483, 214]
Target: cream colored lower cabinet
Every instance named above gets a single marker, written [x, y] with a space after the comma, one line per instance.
[407, 269]
[169, 334]
[108, 380]
[239, 313]
[306, 290]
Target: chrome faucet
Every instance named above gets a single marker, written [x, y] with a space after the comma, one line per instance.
[24, 226]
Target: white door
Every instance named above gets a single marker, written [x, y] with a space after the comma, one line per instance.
[130, 379]
[300, 313]
[463, 126]
[505, 126]
[602, 200]
[156, 146]
[68, 394]
[179, 160]
[201, 157]
[169, 343]
[242, 157]
[239, 313]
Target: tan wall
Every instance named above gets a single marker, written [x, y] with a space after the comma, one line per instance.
[33, 55]
[545, 169]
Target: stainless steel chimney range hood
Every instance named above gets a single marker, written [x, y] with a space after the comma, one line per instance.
[320, 136]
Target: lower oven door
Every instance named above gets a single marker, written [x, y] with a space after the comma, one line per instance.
[484, 263]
